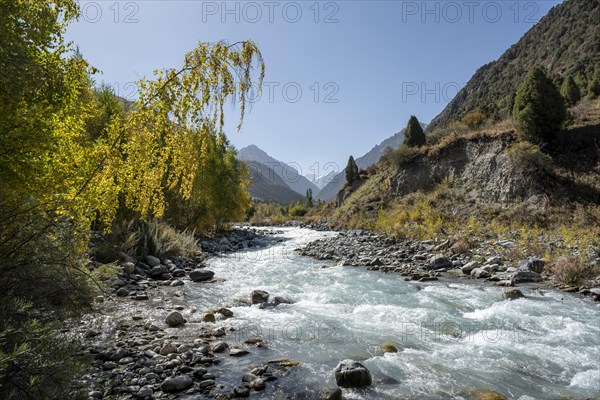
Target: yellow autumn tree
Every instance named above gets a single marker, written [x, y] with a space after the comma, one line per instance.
[69, 155]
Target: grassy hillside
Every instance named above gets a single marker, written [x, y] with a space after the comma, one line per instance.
[566, 42]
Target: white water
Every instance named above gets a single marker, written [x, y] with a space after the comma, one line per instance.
[451, 335]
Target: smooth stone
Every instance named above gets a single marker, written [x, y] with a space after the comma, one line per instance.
[177, 383]
[235, 352]
[352, 374]
[259, 296]
[526, 276]
[389, 348]
[332, 394]
[513, 294]
[201, 275]
[219, 347]
[175, 319]
[152, 261]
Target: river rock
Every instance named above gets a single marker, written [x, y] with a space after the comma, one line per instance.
[439, 261]
[352, 374]
[201, 275]
[479, 273]
[227, 313]
[237, 352]
[526, 276]
[158, 271]
[533, 264]
[275, 301]
[249, 377]
[152, 261]
[241, 392]
[175, 319]
[467, 268]
[168, 349]
[176, 383]
[259, 296]
[376, 262]
[122, 292]
[144, 391]
[208, 317]
[128, 267]
[331, 394]
[389, 348]
[513, 294]
[258, 384]
[219, 347]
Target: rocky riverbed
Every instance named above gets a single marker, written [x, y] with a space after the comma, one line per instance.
[428, 260]
[152, 341]
[147, 343]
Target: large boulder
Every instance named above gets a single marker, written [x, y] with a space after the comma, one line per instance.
[201, 275]
[468, 267]
[175, 319]
[439, 262]
[158, 271]
[513, 294]
[176, 383]
[352, 374]
[259, 296]
[275, 301]
[128, 267]
[152, 261]
[479, 273]
[526, 276]
[533, 264]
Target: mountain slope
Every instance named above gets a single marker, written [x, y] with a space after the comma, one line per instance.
[566, 42]
[286, 172]
[267, 186]
[335, 183]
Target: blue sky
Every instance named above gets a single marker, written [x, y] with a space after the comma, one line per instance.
[341, 75]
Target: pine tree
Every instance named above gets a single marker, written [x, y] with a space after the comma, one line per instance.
[570, 91]
[414, 135]
[309, 197]
[351, 171]
[539, 109]
[594, 86]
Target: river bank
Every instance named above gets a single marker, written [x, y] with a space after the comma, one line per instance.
[337, 313]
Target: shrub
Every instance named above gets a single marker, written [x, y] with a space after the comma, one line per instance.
[570, 91]
[401, 156]
[474, 120]
[571, 270]
[413, 134]
[297, 210]
[539, 109]
[529, 157]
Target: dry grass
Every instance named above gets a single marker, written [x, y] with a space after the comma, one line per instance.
[571, 270]
[138, 239]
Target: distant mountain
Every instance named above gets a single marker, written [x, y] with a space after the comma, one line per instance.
[323, 180]
[286, 172]
[565, 42]
[269, 187]
[329, 191]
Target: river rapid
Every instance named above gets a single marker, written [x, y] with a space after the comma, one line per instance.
[452, 336]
